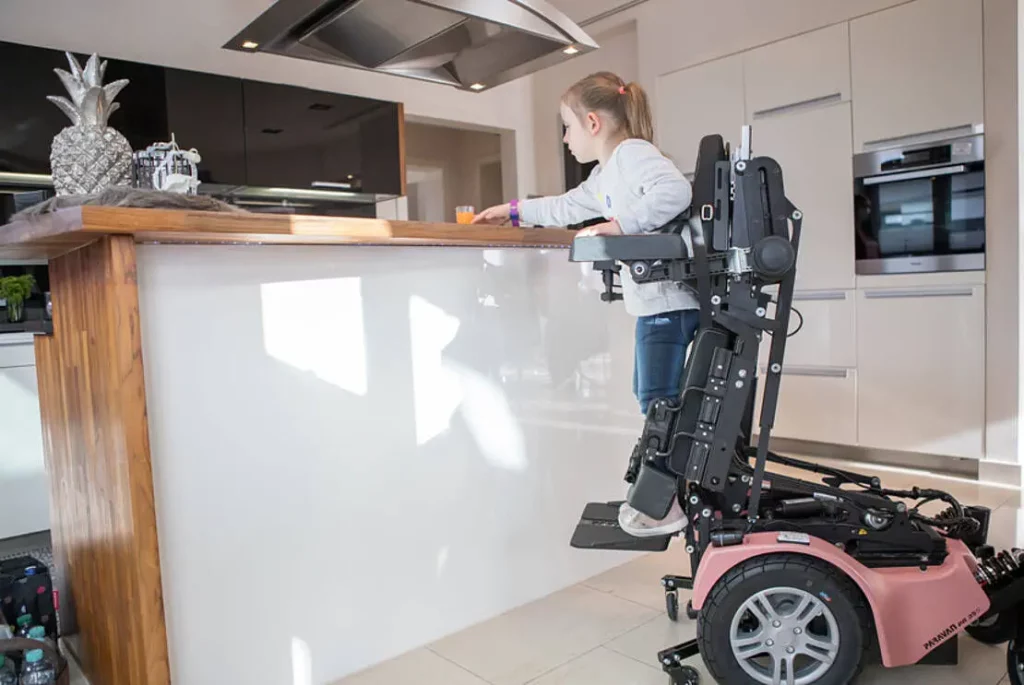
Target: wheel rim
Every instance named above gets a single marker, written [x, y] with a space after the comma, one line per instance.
[784, 636]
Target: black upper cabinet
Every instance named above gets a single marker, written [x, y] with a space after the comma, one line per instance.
[28, 121]
[142, 116]
[247, 132]
[301, 138]
[204, 111]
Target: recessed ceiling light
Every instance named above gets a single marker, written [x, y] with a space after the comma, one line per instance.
[478, 86]
[250, 45]
[571, 50]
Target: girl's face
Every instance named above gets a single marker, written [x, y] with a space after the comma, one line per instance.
[582, 136]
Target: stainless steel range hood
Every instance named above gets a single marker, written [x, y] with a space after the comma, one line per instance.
[469, 44]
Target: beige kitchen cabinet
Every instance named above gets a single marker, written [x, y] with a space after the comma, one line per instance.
[921, 369]
[699, 101]
[803, 71]
[816, 404]
[916, 69]
[813, 147]
[828, 336]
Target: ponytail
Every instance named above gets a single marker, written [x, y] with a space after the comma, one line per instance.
[639, 123]
[626, 103]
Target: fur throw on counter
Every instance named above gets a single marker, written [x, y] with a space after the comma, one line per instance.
[120, 196]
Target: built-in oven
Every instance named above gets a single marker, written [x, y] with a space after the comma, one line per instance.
[921, 207]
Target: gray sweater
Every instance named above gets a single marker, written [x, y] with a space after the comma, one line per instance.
[642, 190]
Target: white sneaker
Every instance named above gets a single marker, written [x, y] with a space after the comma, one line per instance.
[641, 525]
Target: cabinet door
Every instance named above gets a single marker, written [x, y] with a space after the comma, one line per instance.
[300, 138]
[204, 111]
[28, 121]
[921, 367]
[24, 487]
[827, 336]
[816, 404]
[813, 147]
[699, 101]
[916, 68]
[782, 76]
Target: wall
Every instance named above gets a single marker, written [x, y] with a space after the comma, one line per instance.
[187, 35]
[1002, 229]
[458, 153]
[618, 53]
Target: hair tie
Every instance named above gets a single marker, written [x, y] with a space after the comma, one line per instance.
[622, 90]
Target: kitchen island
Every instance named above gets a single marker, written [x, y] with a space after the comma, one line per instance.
[283, 449]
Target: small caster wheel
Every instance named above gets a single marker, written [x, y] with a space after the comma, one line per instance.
[685, 675]
[691, 613]
[672, 605]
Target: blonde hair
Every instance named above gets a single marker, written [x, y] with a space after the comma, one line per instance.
[626, 103]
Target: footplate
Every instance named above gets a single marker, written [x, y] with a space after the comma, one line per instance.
[599, 529]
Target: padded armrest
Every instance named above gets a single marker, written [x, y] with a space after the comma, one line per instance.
[624, 248]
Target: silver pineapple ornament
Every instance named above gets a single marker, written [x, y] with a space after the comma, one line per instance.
[89, 156]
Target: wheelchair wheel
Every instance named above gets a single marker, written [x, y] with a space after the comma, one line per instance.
[784, 618]
[1015, 663]
[672, 605]
[994, 630]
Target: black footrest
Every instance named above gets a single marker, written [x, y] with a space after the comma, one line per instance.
[599, 529]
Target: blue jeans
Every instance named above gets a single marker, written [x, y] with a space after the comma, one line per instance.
[661, 344]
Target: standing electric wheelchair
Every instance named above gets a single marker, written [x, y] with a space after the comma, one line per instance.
[794, 582]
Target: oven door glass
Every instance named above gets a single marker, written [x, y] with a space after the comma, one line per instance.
[936, 215]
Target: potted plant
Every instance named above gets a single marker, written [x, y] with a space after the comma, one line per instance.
[14, 289]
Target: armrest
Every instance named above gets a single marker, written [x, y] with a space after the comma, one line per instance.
[625, 248]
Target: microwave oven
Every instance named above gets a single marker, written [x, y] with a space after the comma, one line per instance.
[921, 207]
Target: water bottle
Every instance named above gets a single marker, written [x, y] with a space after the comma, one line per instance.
[24, 625]
[39, 633]
[37, 669]
[8, 676]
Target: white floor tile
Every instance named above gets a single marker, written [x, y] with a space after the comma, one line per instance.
[640, 580]
[421, 667]
[603, 667]
[530, 641]
[644, 642]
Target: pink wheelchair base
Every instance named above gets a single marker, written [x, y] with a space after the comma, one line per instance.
[915, 609]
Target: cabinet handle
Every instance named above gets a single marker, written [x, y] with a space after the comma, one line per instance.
[911, 175]
[925, 136]
[802, 104]
[813, 371]
[820, 372]
[332, 184]
[922, 292]
[818, 297]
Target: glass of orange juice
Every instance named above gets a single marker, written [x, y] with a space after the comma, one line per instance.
[464, 214]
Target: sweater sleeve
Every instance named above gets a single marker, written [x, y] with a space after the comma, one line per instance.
[579, 204]
[662, 189]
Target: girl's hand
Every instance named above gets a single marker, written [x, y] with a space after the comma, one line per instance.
[498, 214]
[607, 228]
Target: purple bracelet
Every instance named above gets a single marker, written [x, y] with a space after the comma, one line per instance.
[513, 212]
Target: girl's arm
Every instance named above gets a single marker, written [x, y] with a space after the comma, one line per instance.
[664, 191]
[573, 207]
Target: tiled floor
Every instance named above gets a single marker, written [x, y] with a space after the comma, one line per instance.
[608, 630]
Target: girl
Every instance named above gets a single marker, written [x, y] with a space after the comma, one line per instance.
[637, 190]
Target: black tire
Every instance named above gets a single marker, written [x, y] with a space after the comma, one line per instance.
[781, 573]
[686, 675]
[1014, 663]
[996, 631]
[672, 605]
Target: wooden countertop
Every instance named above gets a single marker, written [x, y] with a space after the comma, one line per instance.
[67, 230]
